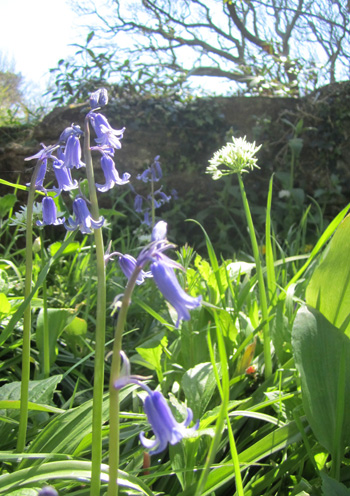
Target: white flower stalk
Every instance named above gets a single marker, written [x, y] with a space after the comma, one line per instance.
[234, 158]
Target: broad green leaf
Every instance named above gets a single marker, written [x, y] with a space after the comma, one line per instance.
[322, 357]
[5, 305]
[151, 351]
[6, 203]
[70, 248]
[199, 384]
[26, 491]
[275, 441]
[16, 404]
[65, 432]
[331, 487]
[58, 318]
[6, 333]
[40, 392]
[329, 287]
[72, 470]
[73, 334]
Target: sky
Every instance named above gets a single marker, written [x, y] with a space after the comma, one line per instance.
[35, 34]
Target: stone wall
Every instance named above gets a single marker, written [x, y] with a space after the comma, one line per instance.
[186, 136]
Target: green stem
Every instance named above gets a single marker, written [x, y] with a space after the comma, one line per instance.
[260, 277]
[153, 207]
[23, 420]
[114, 393]
[46, 364]
[96, 451]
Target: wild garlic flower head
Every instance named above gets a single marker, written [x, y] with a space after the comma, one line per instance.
[234, 158]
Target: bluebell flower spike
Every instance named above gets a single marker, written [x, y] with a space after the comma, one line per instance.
[83, 218]
[49, 213]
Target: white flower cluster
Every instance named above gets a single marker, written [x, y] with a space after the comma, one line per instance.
[235, 157]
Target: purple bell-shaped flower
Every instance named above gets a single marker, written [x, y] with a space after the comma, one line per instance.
[83, 218]
[111, 174]
[49, 213]
[165, 279]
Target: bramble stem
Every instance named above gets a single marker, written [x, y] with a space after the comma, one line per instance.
[23, 420]
[114, 393]
[96, 450]
[260, 277]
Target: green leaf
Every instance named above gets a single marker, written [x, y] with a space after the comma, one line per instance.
[322, 357]
[329, 287]
[70, 248]
[58, 318]
[5, 305]
[6, 203]
[40, 393]
[151, 351]
[199, 384]
[331, 487]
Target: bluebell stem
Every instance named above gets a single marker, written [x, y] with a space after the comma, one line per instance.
[111, 174]
[64, 178]
[83, 218]
[49, 213]
[166, 429]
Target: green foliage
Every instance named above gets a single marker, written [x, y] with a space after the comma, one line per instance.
[287, 434]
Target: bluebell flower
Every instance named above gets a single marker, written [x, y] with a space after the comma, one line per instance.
[162, 270]
[138, 203]
[39, 183]
[64, 178]
[163, 197]
[159, 231]
[73, 130]
[152, 173]
[98, 98]
[49, 213]
[106, 136]
[48, 491]
[72, 153]
[111, 174]
[83, 218]
[167, 283]
[166, 429]
[43, 154]
[128, 265]
[146, 218]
